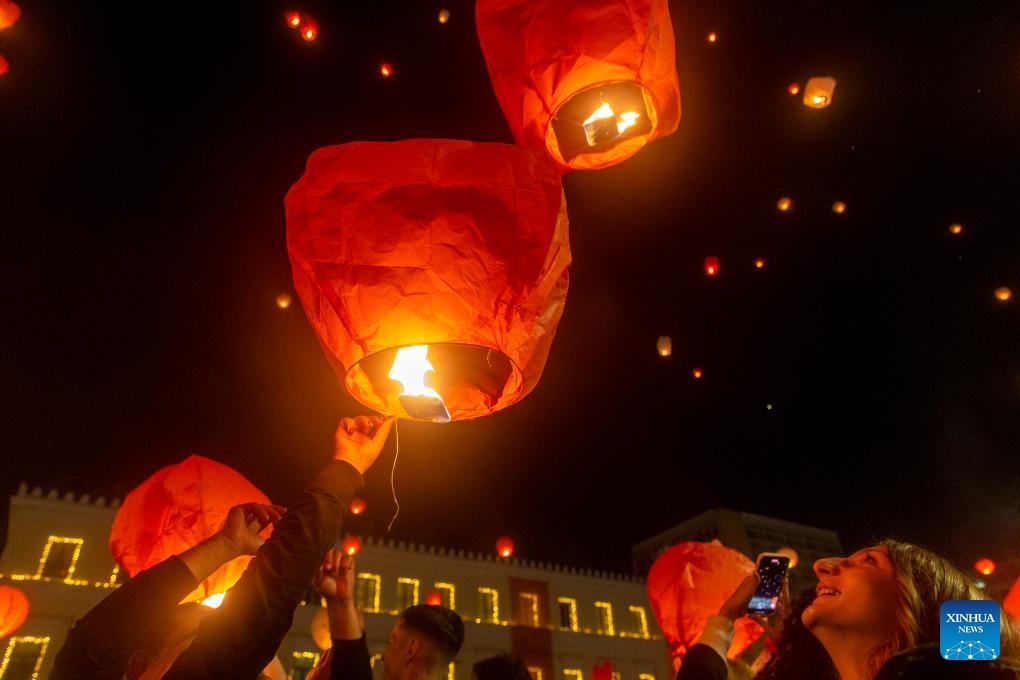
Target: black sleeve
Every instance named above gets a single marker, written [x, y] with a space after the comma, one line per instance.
[701, 662]
[243, 635]
[351, 660]
[101, 642]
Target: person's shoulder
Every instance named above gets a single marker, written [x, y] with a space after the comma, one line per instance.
[926, 662]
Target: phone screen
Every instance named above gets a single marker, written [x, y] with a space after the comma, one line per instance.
[771, 572]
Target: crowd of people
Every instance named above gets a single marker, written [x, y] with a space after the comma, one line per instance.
[874, 615]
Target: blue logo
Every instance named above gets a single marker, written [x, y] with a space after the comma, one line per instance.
[969, 630]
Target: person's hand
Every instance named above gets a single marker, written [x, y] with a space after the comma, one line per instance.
[335, 578]
[359, 440]
[735, 605]
[244, 522]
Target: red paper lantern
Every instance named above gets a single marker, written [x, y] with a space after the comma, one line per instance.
[1011, 602]
[696, 372]
[351, 545]
[589, 82]
[358, 506]
[985, 566]
[176, 508]
[13, 610]
[5, 65]
[434, 598]
[292, 18]
[711, 265]
[602, 671]
[386, 69]
[448, 252]
[308, 27]
[689, 582]
[504, 546]
[9, 13]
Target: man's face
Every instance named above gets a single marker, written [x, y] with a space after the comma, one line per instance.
[395, 655]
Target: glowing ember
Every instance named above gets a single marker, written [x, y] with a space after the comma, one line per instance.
[418, 399]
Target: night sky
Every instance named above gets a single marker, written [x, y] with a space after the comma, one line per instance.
[866, 380]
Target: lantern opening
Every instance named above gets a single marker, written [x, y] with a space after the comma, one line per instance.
[420, 401]
[588, 122]
[465, 381]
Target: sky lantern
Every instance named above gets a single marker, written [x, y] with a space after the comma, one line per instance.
[711, 265]
[386, 69]
[177, 507]
[984, 566]
[839, 207]
[1003, 293]
[603, 671]
[1011, 602]
[309, 28]
[791, 553]
[358, 506]
[351, 545]
[13, 609]
[589, 83]
[504, 546]
[664, 346]
[818, 92]
[5, 65]
[759, 262]
[434, 598]
[955, 228]
[711, 37]
[793, 89]
[9, 13]
[690, 581]
[696, 372]
[292, 18]
[784, 204]
[284, 300]
[457, 247]
[444, 16]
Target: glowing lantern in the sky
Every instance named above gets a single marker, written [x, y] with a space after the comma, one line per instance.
[784, 204]
[818, 92]
[712, 37]
[955, 228]
[293, 19]
[444, 16]
[985, 566]
[759, 262]
[504, 546]
[1003, 293]
[13, 609]
[9, 13]
[457, 246]
[711, 265]
[358, 506]
[589, 83]
[177, 507]
[603, 671]
[284, 300]
[793, 88]
[696, 372]
[386, 69]
[351, 545]
[689, 582]
[309, 28]
[839, 207]
[791, 553]
[664, 346]
[1011, 602]
[434, 598]
[5, 66]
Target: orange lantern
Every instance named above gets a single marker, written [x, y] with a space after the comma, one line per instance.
[444, 16]
[689, 582]
[984, 566]
[818, 92]
[9, 13]
[386, 69]
[839, 207]
[283, 300]
[711, 37]
[504, 546]
[434, 598]
[791, 553]
[1011, 602]
[5, 65]
[176, 508]
[13, 609]
[1003, 293]
[664, 346]
[955, 228]
[351, 545]
[602, 671]
[589, 83]
[309, 28]
[784, 204]
[434, 272]
[793, 88]
[358, 506]
[759, 262]
[711, 265]
[293, 19]
[696, 372]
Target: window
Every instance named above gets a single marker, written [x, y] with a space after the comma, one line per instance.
[645, 676]
[568, 614]
[301, 664]
[573, 674]
[59, 557]
[604, 611]
[366, 592]
[23, 657]
[529, 610]
[488, 605]
[639, 621]
[407, 592]
[447, 592]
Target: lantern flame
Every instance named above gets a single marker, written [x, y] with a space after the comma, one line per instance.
[214, 601]
[598, 127]
[418, 399]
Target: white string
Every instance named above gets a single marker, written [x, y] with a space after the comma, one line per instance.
[393, 470]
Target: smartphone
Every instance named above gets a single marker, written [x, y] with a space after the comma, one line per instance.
[772, 568]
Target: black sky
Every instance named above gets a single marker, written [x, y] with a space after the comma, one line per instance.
[145, 150]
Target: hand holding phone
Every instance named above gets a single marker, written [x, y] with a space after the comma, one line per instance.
[772, 568]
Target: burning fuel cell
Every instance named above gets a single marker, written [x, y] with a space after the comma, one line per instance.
[604, 125]
[420, 401]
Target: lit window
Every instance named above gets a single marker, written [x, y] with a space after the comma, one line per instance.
[407, 592]
[450, 672]
[378, 657]
[23, 657]
[447, 592]
[573, 674]
[645, 676]
[639, 621]
[536, 672]
[301, 664]
[529, 610]
[59, 557]
[615, 675]
[604, 611]
[366, 592]
[568, 614]
[488, 605]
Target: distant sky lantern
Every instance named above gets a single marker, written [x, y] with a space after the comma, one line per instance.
[13, 609]
[386, 69]
[793, 88]
[985, 566]
[818, 92]
[711, 265]
[589, 83]
[9, 13]
[309, 28]
[759, 262]
[784, 204]
[504, 546]
[1003, 293]
[351, 545]
[839, 207]
[177, 507]
[712, 37]
[791, 553]
[446, 256]
[358, 506]
[955, 228]
[444, 16]
[284, 300]
[293, 19]
[664, 346]
[696, 372]
[434, 598]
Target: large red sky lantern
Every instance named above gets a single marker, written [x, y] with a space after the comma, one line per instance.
[433, 272]
[9, 13]
[589, 82]
[13, 609]
[689, 582]
[504, 546]
[176, 508]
